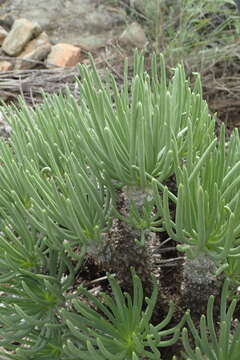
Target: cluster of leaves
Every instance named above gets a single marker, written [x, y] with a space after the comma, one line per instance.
[58, 179]
[207, 203]
[221, 344]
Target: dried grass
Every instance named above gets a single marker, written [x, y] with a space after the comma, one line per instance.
[30, 83]
[221, 86]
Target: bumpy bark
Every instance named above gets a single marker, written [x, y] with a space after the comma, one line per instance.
[199, 282]
[121, 251]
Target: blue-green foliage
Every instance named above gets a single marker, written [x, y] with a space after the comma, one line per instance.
[208, 203]
[58, 178]
[118, 328]
[210, 342]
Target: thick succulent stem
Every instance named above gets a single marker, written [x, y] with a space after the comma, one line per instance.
[199, 282]
[122, 248]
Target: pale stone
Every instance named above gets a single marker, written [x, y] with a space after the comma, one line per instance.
[62, 55]
[36, 50]
[72, 21]
[22, 31]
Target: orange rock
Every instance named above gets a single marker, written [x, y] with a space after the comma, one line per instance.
[5, 66]
[63, 55]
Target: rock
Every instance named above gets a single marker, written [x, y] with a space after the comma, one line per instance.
[36, 50]
[72, 21]
[5, 66]
[133, 35]
[63, 55]
[3, 34]
[22, 31]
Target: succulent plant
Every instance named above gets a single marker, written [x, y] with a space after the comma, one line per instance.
[118, 327]
[214, 342]
[84, 178]
[206, 225]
